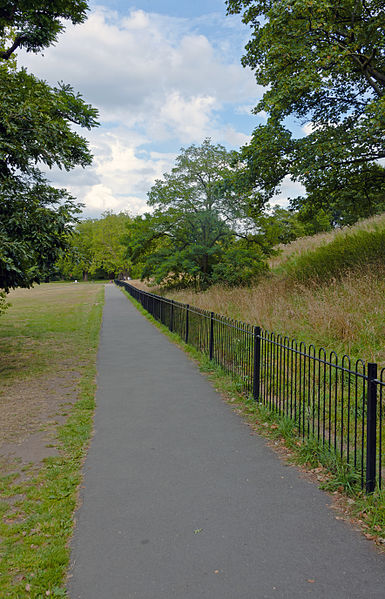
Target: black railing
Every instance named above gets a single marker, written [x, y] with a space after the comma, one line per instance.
[335, 401]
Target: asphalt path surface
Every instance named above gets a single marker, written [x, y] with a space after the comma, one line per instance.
[181, 499]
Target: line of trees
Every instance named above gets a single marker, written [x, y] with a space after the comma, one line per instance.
[97, 249]
[322, 63]
[200, 230]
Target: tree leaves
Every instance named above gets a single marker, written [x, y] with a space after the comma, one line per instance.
[201, 230]
[36, 128]
[97, 247]
[36, 23]
[323, 63]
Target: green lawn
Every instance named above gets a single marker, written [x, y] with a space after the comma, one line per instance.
[48, 344]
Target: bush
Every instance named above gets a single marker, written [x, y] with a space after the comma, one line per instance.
[238, 266]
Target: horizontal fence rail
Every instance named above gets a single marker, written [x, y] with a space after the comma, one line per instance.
[334, 400]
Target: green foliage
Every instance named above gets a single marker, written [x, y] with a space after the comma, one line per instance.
[323, 63]
[36, 23]
[109, 252]
[264, 163]
[36, 128]
[97, 247]
[358, 249]
[238, 265]
[199, 217]
[281, 226]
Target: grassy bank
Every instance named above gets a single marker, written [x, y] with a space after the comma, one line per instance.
[48, 344]
[327, 290]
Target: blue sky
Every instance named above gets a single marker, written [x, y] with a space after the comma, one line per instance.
[164, 75]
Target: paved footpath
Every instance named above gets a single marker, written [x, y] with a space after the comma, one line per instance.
[181, 501]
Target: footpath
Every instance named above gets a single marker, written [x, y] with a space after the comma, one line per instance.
[181, 501]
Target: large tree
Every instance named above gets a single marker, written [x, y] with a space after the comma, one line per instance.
[200, 230]
[36, 129]
[323, 63]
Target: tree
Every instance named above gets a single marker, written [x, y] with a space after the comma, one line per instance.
[199, 218]
[109, 251]
[77, 259]
[96, 248]
[323, 63]
[36, 129]
[35, 24]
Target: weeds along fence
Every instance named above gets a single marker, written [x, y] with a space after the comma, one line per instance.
[337, 402]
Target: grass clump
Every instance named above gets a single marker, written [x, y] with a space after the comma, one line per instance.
[357, 250]
[288, 253]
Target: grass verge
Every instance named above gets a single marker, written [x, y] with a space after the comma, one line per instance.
[314, 459]
[61, 324]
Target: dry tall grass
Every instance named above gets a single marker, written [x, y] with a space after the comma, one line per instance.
[347, 315]
[307, 244]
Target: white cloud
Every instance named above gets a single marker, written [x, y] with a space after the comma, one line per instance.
[244, 109]
[235, 138]
[262, 114]
[99, 197]
[187, 118]
[154, 79]
[289, 189]
[310, 128]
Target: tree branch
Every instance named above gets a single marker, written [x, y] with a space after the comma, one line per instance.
[5, 54]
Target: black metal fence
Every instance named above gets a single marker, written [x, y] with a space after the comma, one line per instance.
[335, 400]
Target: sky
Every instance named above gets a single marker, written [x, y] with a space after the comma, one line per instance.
[164, 75]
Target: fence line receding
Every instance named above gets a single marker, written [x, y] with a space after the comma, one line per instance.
[335, 400]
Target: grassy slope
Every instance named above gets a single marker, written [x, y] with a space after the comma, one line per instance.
[327, 290]
[50, 331]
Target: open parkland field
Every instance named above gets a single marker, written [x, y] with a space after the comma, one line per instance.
[48, 344]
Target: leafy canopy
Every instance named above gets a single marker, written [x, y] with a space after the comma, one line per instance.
[324, 63]
[97, 248]
[200, 230]
[35, 24]
[36, 128]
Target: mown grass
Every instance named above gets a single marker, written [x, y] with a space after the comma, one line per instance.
[59, 324]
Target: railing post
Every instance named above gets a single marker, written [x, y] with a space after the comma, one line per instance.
[171, 327]
[211, 344]
[187, 323]
[257, 363]
[371, 426]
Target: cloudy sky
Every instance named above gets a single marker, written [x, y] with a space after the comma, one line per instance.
[164, 74]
